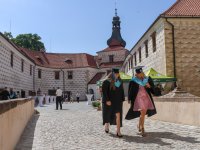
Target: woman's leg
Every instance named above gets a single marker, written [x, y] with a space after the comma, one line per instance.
[118, 123]
[140, 122]
[143, 113]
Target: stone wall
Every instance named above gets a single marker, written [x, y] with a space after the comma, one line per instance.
[81, 76]
[13, 77]
[14, 115]
[187, 41]
[155, 59]
[176, 110]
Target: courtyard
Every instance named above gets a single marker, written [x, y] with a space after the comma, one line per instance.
[79, 126]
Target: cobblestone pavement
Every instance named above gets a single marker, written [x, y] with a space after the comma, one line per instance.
[79, 126]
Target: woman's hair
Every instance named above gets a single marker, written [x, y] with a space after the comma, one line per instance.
[112, 83]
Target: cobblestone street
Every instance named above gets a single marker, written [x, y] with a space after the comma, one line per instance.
[79, 126]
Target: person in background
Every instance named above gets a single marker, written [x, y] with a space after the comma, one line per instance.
[12, 94]
[77, 97]
[5, 94]
[58, 98]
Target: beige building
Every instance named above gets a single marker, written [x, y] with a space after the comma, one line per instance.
[171, 45]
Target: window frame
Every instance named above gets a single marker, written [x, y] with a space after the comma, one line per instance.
[39, 73]
[146, 49]
[22, 65]
[57, 75]
[140, 54]
[70, 75]
[111, 58]
[154, 43]
[12, 59]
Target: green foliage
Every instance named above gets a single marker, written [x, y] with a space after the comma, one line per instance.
[29, 41]
[96, 104]
[8, 35]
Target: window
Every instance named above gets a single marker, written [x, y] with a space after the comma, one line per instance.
[153, 36]
[140, 55]
[135, 59]
[11, 59]
[70, 75]
[146, 48]
[131, 62]
[57, 75]
[31, 68]
[111, 58]
[39, 73]
[22, 65]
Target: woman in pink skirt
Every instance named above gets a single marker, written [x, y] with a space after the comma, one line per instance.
[139, 94]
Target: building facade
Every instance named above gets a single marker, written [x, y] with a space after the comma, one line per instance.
[171, 45]
[28, 71]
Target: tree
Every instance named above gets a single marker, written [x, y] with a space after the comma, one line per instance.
[30, 41]
[8, 35]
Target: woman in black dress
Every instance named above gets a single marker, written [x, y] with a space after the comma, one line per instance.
[117, 97]
[106, 104]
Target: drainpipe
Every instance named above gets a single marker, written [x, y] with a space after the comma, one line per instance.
[34, 78]
[174, 49]
[63, 79]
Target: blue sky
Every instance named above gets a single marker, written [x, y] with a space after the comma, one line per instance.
[76, 26]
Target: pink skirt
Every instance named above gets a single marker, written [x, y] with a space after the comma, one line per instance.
[142, 101]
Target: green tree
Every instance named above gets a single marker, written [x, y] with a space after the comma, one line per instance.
[30, 41]
[8, 35]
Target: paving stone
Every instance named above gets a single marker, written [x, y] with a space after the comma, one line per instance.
[79, 126]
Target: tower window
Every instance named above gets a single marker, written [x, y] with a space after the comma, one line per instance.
[111, 58]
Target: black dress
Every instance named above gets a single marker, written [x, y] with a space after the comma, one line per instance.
[117, 98]
[132, 94]
[106, 110]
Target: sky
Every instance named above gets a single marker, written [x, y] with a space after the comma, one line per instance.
[79, 26]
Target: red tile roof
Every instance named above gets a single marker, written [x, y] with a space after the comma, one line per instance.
[96, 78]
[184, 8]
[55, 60]
[113, 48]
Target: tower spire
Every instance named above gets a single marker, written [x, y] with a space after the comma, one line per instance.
[116, 38]
[115, 8]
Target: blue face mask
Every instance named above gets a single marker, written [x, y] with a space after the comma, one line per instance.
[117, 83]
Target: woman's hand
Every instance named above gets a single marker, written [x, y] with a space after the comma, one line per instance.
[108, 103]
[148, 85]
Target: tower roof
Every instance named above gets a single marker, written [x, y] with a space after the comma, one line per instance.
[116, 38]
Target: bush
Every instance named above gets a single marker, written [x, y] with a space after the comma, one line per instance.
[96, 104]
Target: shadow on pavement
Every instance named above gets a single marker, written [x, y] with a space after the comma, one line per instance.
[27, 137]
[156, 138]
